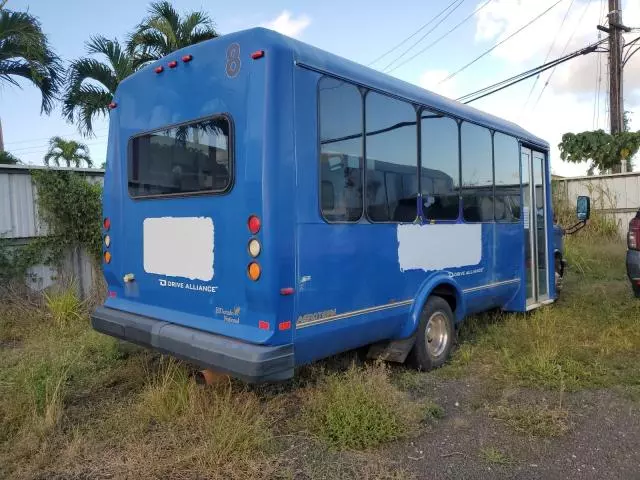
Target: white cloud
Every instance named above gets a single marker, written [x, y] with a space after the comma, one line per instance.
[289, 25]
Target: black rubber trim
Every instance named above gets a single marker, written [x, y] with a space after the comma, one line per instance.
[247, 361]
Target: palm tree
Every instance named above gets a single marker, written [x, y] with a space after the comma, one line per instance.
[165, 31]
[70, 151]
[92, 82]
[25, 52]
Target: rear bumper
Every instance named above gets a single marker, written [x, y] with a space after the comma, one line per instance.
[249, 362]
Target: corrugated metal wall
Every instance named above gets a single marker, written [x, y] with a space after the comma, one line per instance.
[617, 194]
[19, 222]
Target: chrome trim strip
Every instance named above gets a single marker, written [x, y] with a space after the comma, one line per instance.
[491, 285]
[353, 313]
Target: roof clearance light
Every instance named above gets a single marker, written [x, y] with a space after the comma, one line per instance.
[187, 58]
[106, 223]
[172, 64]
[257, 54]
[107, 257]
[159, 69]
[253, 270]
[254, 224]
[107, 241]
[112, 105]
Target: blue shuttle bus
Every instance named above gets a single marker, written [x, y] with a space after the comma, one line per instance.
[268, 204]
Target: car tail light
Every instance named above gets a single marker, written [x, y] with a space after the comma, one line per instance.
[633, 237]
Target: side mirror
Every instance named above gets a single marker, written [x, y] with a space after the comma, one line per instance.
[583, 208]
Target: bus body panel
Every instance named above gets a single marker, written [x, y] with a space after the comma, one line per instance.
[229, 303]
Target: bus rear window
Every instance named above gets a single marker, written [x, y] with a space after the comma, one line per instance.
[181, 160]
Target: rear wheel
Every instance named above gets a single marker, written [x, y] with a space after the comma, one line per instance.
[435, 335]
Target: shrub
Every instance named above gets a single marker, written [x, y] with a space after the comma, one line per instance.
[359, 408]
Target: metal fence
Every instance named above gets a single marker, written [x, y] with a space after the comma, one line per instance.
[617, 195]
[20, 223]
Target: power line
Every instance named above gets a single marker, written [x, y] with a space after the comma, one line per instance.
[412, 35]
[555, 37]
[441, 36]
[424, 36]
[584, 12]
[449, 77]
[496, 87]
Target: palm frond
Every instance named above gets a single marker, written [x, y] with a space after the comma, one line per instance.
[196, 23]
[81, 106]
[25, 52]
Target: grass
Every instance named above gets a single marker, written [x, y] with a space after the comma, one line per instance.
[77, 404]
[494, 456]
[534, 420]
[359, 408]
[590, 338]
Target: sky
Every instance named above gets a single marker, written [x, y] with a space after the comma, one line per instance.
[571, 98]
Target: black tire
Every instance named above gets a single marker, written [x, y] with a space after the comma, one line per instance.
[636, 290]
[422, 357]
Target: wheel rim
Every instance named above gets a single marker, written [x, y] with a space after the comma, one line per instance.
[437, 335]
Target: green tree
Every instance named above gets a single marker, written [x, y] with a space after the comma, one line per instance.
[165, 31]
[25, 53]
[92, 82]
[70, 151]
[7, 158]
[602, 150]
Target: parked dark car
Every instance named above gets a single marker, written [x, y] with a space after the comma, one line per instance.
[633, 254]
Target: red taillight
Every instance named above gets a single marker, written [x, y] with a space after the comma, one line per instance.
[633, 237]
[284, 325]
[106, 223]
[159, 69]
[257, 54]
[287, 291]
[172, 64]
[187, 58]
[112, 294]
[254, 224]
[262, 325]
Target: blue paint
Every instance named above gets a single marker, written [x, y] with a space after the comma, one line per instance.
[335, 268]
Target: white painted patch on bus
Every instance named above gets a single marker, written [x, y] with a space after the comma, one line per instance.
[439, 246]
[179, 247]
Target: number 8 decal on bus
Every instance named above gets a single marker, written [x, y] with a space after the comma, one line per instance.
[233, 60]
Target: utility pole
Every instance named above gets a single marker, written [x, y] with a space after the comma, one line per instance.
[616, 44]
[616, 111]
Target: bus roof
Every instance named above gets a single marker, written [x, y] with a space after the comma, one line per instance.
[317, 59]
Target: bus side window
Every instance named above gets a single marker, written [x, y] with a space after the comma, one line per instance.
[391, 140]
[507, 177]
[440, 167]
[340, 131]
[477, 173]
